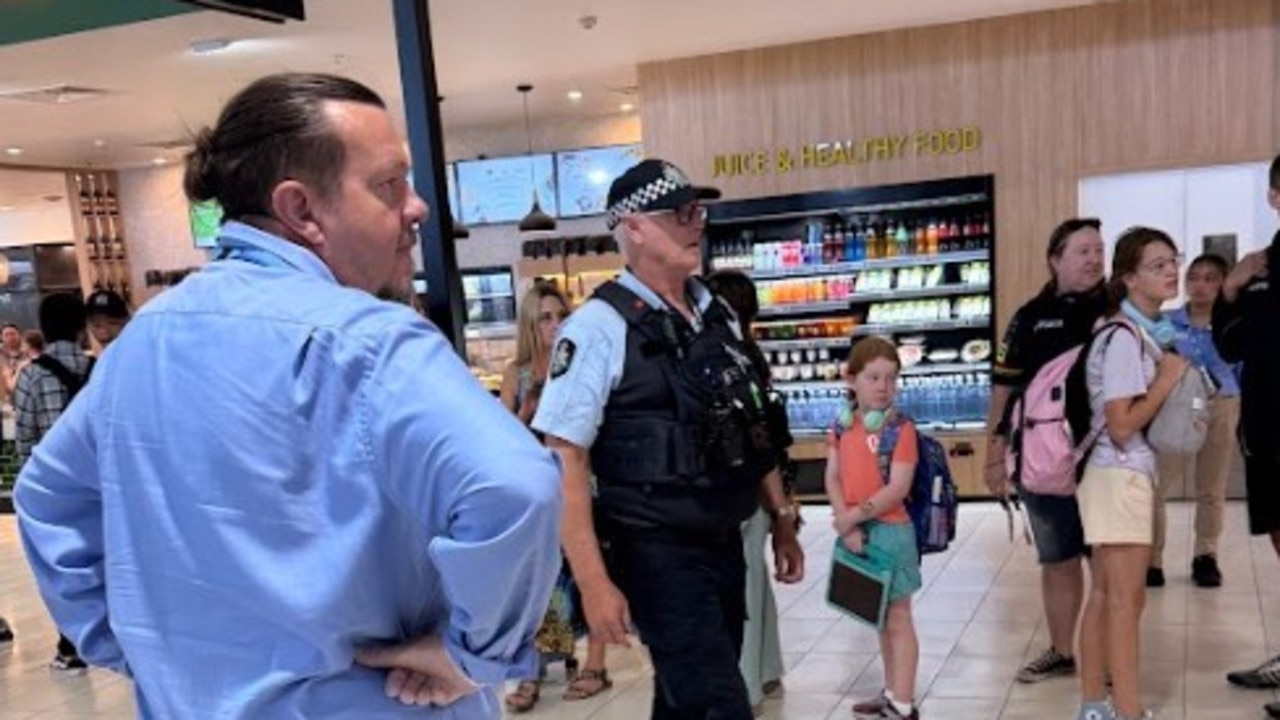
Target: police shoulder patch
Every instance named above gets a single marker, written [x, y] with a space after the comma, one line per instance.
[562, 357]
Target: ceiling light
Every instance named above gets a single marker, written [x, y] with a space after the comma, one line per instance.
[626, 107]
[536, 220]
[13, 151]
[207, 46]
[99, 143]
[159, 161]
[575, 95]
[6, 208]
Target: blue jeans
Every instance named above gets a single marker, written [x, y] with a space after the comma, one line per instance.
[1055, 526]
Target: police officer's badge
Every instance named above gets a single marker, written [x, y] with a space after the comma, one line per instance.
[562, 357]
[675, 175]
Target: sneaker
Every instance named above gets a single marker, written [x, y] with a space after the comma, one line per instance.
[1049, 665]
[1205, 572]
[1096, 711]
[1273, 709]
[871, 708]
[68, 664]
[6, 633]
[1155, 577]
[889, 712]
[1264, 677]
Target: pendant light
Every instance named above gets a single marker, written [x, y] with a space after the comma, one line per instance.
[536, 220]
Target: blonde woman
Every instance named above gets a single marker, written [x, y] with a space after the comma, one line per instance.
[542, 310]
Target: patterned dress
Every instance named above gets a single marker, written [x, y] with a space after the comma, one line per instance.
[563, 622]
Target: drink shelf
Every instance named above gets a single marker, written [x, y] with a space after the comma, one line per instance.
[949, 290]
[925, 326]
[945, 368]
[804, 344]
[931, 203]
[828, 306]
[950, 258]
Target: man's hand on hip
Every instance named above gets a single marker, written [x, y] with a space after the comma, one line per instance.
[421, 672]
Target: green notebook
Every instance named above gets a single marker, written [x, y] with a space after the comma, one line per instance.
[859, 584]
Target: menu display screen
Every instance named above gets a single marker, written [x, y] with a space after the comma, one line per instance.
[500, 190]
[583, 176]
[206, 222]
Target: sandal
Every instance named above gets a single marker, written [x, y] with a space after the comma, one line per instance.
[524, 697]
[588, 683]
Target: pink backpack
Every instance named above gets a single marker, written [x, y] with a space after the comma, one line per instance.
[1052, 429]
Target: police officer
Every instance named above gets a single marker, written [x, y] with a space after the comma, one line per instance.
[651, 391]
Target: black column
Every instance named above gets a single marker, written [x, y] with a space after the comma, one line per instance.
[426, 144]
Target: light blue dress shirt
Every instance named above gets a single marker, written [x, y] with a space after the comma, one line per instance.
[269, 470]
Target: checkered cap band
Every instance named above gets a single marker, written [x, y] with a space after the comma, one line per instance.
[641, 199]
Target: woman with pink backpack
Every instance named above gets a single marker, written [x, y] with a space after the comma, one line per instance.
[1061, 317]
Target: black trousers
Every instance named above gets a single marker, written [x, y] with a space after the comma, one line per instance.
[688, 600]
[65, 647]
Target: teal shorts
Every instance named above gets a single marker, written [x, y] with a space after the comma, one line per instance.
[897, 542]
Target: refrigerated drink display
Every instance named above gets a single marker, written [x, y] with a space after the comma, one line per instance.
[910, 262]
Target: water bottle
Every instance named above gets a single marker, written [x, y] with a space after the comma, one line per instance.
[931, 400]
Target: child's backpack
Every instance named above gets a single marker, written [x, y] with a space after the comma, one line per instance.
[931, 502]
[1051, 424]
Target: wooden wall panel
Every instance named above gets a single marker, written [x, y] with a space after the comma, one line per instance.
[1057, 95]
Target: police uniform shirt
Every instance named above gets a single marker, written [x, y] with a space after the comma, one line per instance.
[1044, 328]
[587, 362]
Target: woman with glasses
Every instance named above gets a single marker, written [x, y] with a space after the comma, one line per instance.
[1130, 371]
[542, 310]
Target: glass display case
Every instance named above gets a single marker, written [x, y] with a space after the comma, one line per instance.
[912, 263]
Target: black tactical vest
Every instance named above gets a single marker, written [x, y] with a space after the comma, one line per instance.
[684, 442]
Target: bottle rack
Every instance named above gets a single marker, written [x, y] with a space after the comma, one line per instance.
[910, 262]
[100, 240]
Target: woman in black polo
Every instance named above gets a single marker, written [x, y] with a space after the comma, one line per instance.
[1060, 317]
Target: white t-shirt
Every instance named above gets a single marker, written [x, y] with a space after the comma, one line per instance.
[1118, 368]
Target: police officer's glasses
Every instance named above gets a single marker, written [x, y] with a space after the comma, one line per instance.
[685, 214]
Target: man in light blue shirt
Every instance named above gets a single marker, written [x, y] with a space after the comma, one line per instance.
[233, 528]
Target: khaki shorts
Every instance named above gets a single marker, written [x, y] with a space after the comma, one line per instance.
[1117, 506]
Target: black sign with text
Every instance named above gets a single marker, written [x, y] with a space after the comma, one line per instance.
[270, 10]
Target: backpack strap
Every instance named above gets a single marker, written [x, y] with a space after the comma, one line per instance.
[70, 381]
[889, 436]
[1097, 428]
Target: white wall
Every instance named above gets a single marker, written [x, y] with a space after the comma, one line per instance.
[157, 229]
[1187, 203]
[36, 208]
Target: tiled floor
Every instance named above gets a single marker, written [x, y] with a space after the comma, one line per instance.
[978, 617]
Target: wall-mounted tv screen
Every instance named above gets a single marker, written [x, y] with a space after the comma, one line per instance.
[500, 190]
[583, 176]
[206, 222]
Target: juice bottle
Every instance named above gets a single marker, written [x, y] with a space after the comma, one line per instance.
[902, 240]
[931, 237]
[871, 243]
[921, 244]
